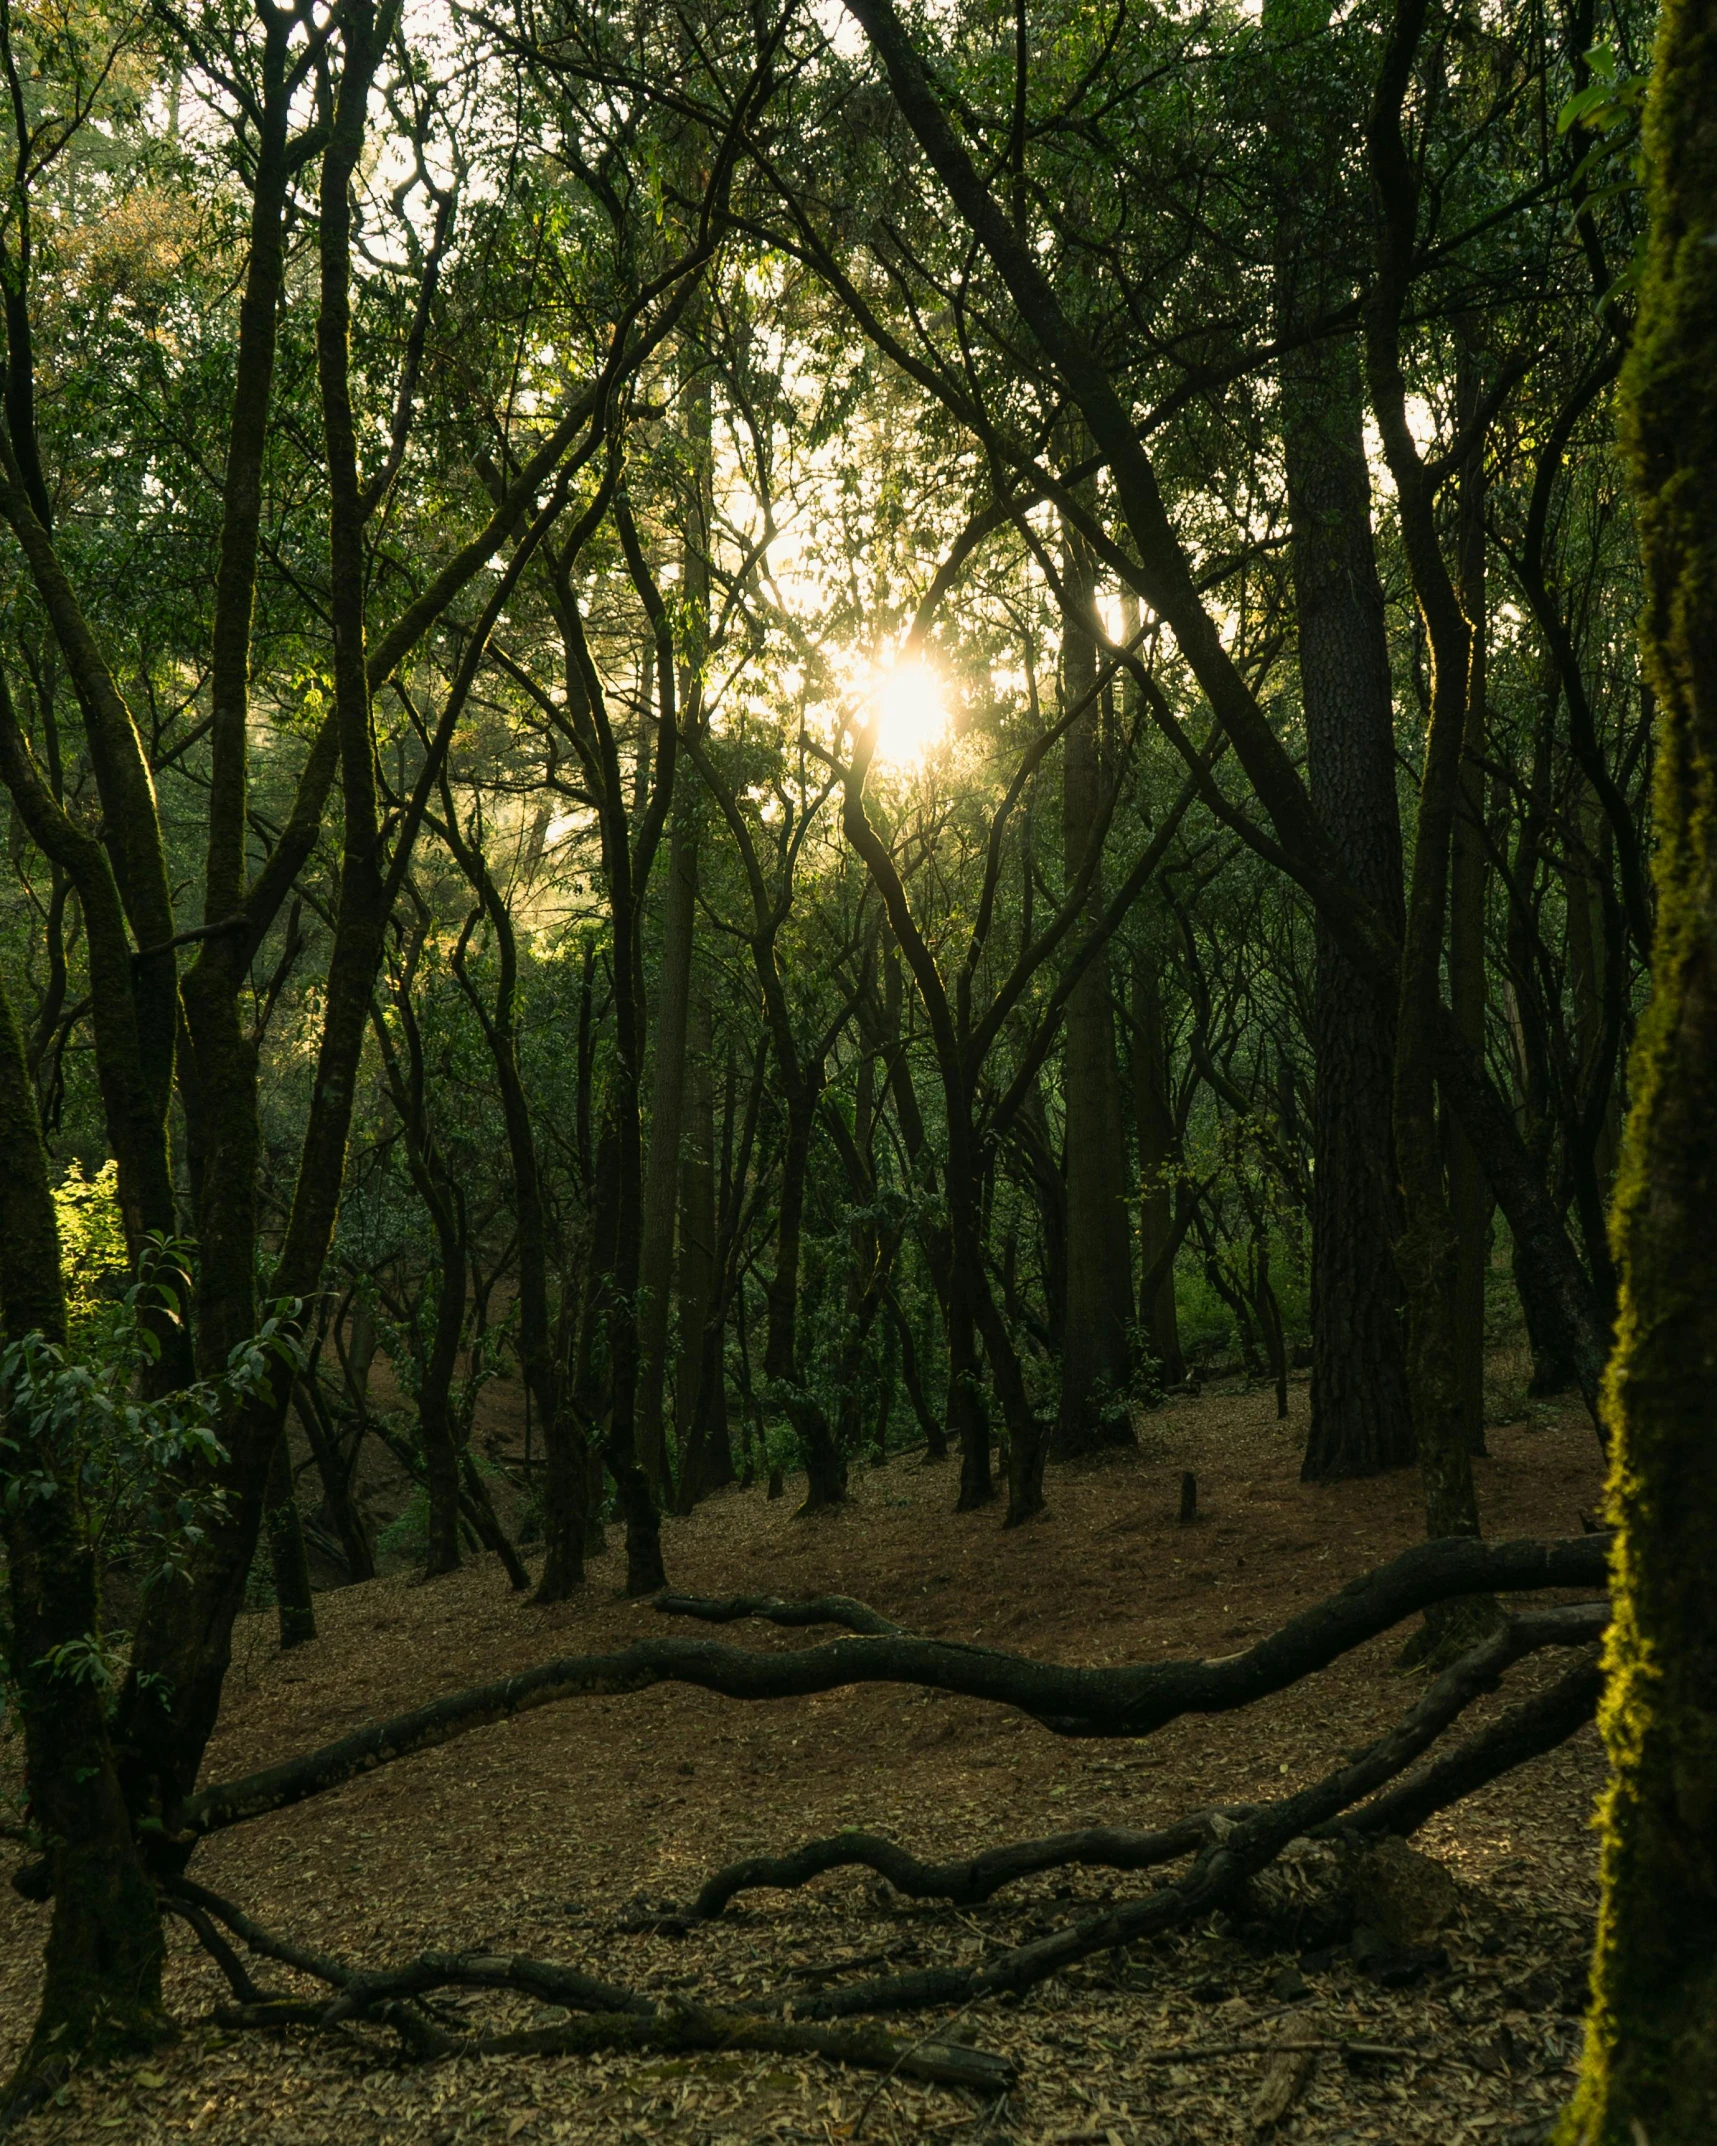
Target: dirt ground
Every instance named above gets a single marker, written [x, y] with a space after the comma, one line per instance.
[536, 1835]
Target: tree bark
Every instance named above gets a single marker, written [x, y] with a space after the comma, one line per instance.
[1469, 1195]
[1095, 1364]
[1158, 1147]
[1650, 2063]
[102, 1991]
[667, 1111]
[1427, 1247]
[1362, 1419]
[701, 1433]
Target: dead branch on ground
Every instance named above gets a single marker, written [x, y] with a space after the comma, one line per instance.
[1129, 1700]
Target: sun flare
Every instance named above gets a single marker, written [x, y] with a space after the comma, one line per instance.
[911, 714]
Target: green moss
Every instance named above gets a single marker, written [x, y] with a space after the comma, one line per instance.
[1650, 2067]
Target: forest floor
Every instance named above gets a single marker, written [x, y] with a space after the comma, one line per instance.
[534, 1836]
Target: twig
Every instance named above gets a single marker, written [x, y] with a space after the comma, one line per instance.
[935, 2034]
[1197, 2050]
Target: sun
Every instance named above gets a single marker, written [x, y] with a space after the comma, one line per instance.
[911, 713]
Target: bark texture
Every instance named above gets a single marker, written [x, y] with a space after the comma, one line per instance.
[101, 1994]
[1650, 2068]
[1095, 1363]
[1361, 1415]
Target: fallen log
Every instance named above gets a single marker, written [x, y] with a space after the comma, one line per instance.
[1228, 1849]
[1535, 1726]
[1129, 1700]
[1240, 1851]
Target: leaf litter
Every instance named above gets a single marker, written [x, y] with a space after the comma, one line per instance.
[541, 1834]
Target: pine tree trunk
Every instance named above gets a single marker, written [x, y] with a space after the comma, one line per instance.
[1650, 2065]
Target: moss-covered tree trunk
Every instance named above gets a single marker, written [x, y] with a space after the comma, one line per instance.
[1651, 2045]
[101, 1992]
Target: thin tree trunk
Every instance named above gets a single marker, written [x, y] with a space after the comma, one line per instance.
[667, 1112]
[825, 1464]
[336, 1478]
[295, 1606]
[1157, 1147]
[1469, 1194]
[1427, 1249]
[1095, 1366]
[701, 1433]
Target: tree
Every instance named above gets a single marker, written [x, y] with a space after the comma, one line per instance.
[1650, 2066]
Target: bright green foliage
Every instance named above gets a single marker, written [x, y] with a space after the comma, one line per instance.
[92, 1245]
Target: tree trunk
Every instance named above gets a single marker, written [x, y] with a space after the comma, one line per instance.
[1469, 1194]
[1095, 1367]
[1427, 1248]
[291, 1568]
[1154, 1120]
[102, 1993]
[336, 1473]
[662, 1181]
[825, 1464]
[435, 1418]
[701, 1429]
[1650, 2065]
[1362, 1419]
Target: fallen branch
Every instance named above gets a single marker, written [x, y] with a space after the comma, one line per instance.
[616, 2019]
[1196, 2051]
[820, 1609]
[1131, 1700]
[685, 2031]
[966, 1883]
[613, 2018]
[1240, 1852]
[1525, 1732]
[1536, 1726]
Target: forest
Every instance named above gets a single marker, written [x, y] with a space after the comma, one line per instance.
[894, 822]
